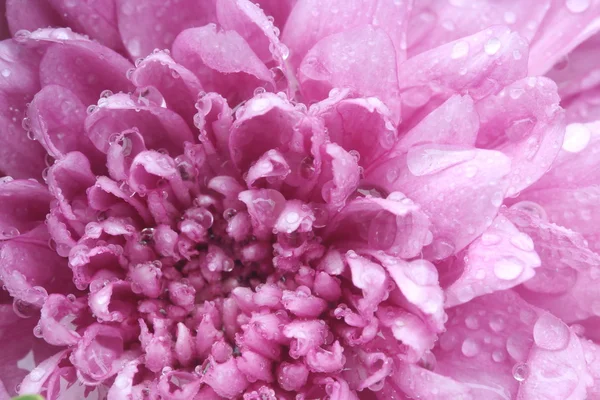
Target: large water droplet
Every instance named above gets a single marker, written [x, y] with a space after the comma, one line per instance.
[508, 268]
[24, 309]
[522, 242]
[577, 6]
[472, 322]
[497, 323]
[470, 348]
[490, 239]
[577, 137]
[520, 371]
[550, 333]
[492, 46]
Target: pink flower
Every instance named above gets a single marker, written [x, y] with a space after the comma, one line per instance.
[388, 200]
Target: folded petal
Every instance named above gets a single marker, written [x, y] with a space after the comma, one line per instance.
[222, 60]
[313, 20]
[435, 23]
[160, 127]
[363, 59]
[501, 258]
[30, 15]
[178, 85]
[526, 123]
[395, 225]
[155, 24]
[547, 48]
[441, 180]
[477, 65]
[56, 117]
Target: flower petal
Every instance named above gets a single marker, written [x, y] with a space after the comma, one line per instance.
[30, 15]
[525, 122]
[23, 206]
[231, 68]
[155, 23]
[160, 127]
[500, 259]
[362, 58]
[440, 179]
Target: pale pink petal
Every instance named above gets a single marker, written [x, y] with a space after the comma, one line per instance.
[23, 206]
[440, 179]
[526, 123]
[313, 20]
[155, 24]
[501, 258]
[363, 59]
[579, 17]
[434, 23]
[230, 68]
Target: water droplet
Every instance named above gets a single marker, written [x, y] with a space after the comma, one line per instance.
[577, 137]
[22, 35]
[106, 93]
[441, 249]
[520, 371]
[531, 208]
[497, 199]
[392, 174]
[459, 50]
[24, 309]
[471, 171]
[497, 323]
[307, 168]
[498, 356]
[470, 348]
[36, 374]
[465, 294]
[472, 322]
[519, 129]
[6, 72]
[508, 268]
[550, 333]
[146, 236]
[492, 46]
[577, 6]
[92, 108]
[9, 233]
[517, 55]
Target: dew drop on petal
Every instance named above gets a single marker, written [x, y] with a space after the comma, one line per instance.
[550, 333]
[577, 137]
[492, 46]
[508, 268]
[520, 372]
[459, 50]
[577, 6]
[470, 348]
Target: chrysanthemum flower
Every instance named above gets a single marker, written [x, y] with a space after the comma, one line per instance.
[388, 200]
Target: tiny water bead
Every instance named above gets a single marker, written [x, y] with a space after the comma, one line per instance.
[520, 372]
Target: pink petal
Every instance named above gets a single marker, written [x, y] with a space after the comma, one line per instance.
[439, 178]
[56, 116]
[363, 59]
[339, 178]
[313, 20]
[477, 65]
[394, 225]
[30, 15]
[500, 259]
[178, 85]
[548, 48]
[56, 321]
[155, 24]
[278, 9]
[435, 23]
[160, 127]
[525, 122]
[360, 125]
[23, 206]
[230, 68]
[225, 378]
[247, 19]
[454, 122]
[99, 21]
[34, 381]
[416, 382]
[82, 66]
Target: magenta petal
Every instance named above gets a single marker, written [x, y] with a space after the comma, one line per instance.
[441, 179]
[30, 15]
[548, 48]
[526, 123]
[500, 259]
[122, 388]
[417, 382]
[23, 206]
[99, 21]
[313, 20]
[56, 116]
[179, 86]
[76, 64]
[155, 24]
[160, 127]
[477, 65]
[363, 59]
[247, 19]
[340, 175]
[230, 68]
[35, 380]
[57, 315]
